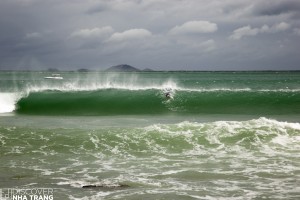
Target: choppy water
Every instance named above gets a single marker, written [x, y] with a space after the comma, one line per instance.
[219, 135]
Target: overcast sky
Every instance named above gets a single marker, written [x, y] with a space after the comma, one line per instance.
[157, 34]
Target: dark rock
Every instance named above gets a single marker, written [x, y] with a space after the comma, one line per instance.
[89, 186]
[119, 186]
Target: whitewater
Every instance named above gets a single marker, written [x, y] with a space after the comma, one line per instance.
[220, 135]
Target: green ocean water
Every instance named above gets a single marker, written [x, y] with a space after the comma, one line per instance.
[152, 135]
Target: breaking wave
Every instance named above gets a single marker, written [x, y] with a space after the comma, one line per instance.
[115, 101]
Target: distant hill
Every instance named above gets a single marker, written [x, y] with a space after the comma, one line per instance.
[148, 70]
[52, 70]
[83, 70]
[122, 68]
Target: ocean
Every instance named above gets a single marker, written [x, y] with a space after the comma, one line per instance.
[151, 135]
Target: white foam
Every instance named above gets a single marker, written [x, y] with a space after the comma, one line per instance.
[258, 131]
[7, 102]
[283, 125]
[279, 90]
[172, 172]
[168, 85]
[99, 195]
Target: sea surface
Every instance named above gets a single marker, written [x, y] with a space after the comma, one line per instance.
[152, 135]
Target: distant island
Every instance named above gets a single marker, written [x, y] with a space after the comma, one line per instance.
[148, 70]
[83, 70]
[116, 68]
[122, 68]
[52, 70]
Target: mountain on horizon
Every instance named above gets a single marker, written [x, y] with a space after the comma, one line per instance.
[122, 68]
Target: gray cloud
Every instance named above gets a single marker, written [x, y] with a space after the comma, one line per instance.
[98, 8]
[248, 31]
[93, 33]
[160, 34]
[277, 7]
[132, 34]
[297, 31]
[194, 27]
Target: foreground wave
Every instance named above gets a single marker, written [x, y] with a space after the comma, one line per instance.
[115, 101]
[256, 159]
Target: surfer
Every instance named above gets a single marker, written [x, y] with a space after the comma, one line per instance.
[168, 95]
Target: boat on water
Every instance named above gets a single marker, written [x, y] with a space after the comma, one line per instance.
[54, 76]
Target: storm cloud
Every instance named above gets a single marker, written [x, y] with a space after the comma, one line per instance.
[277, 7]
[158, 34]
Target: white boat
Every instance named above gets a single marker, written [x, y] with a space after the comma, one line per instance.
[54, 76]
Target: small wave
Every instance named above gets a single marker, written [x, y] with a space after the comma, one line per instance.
[267, 136]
